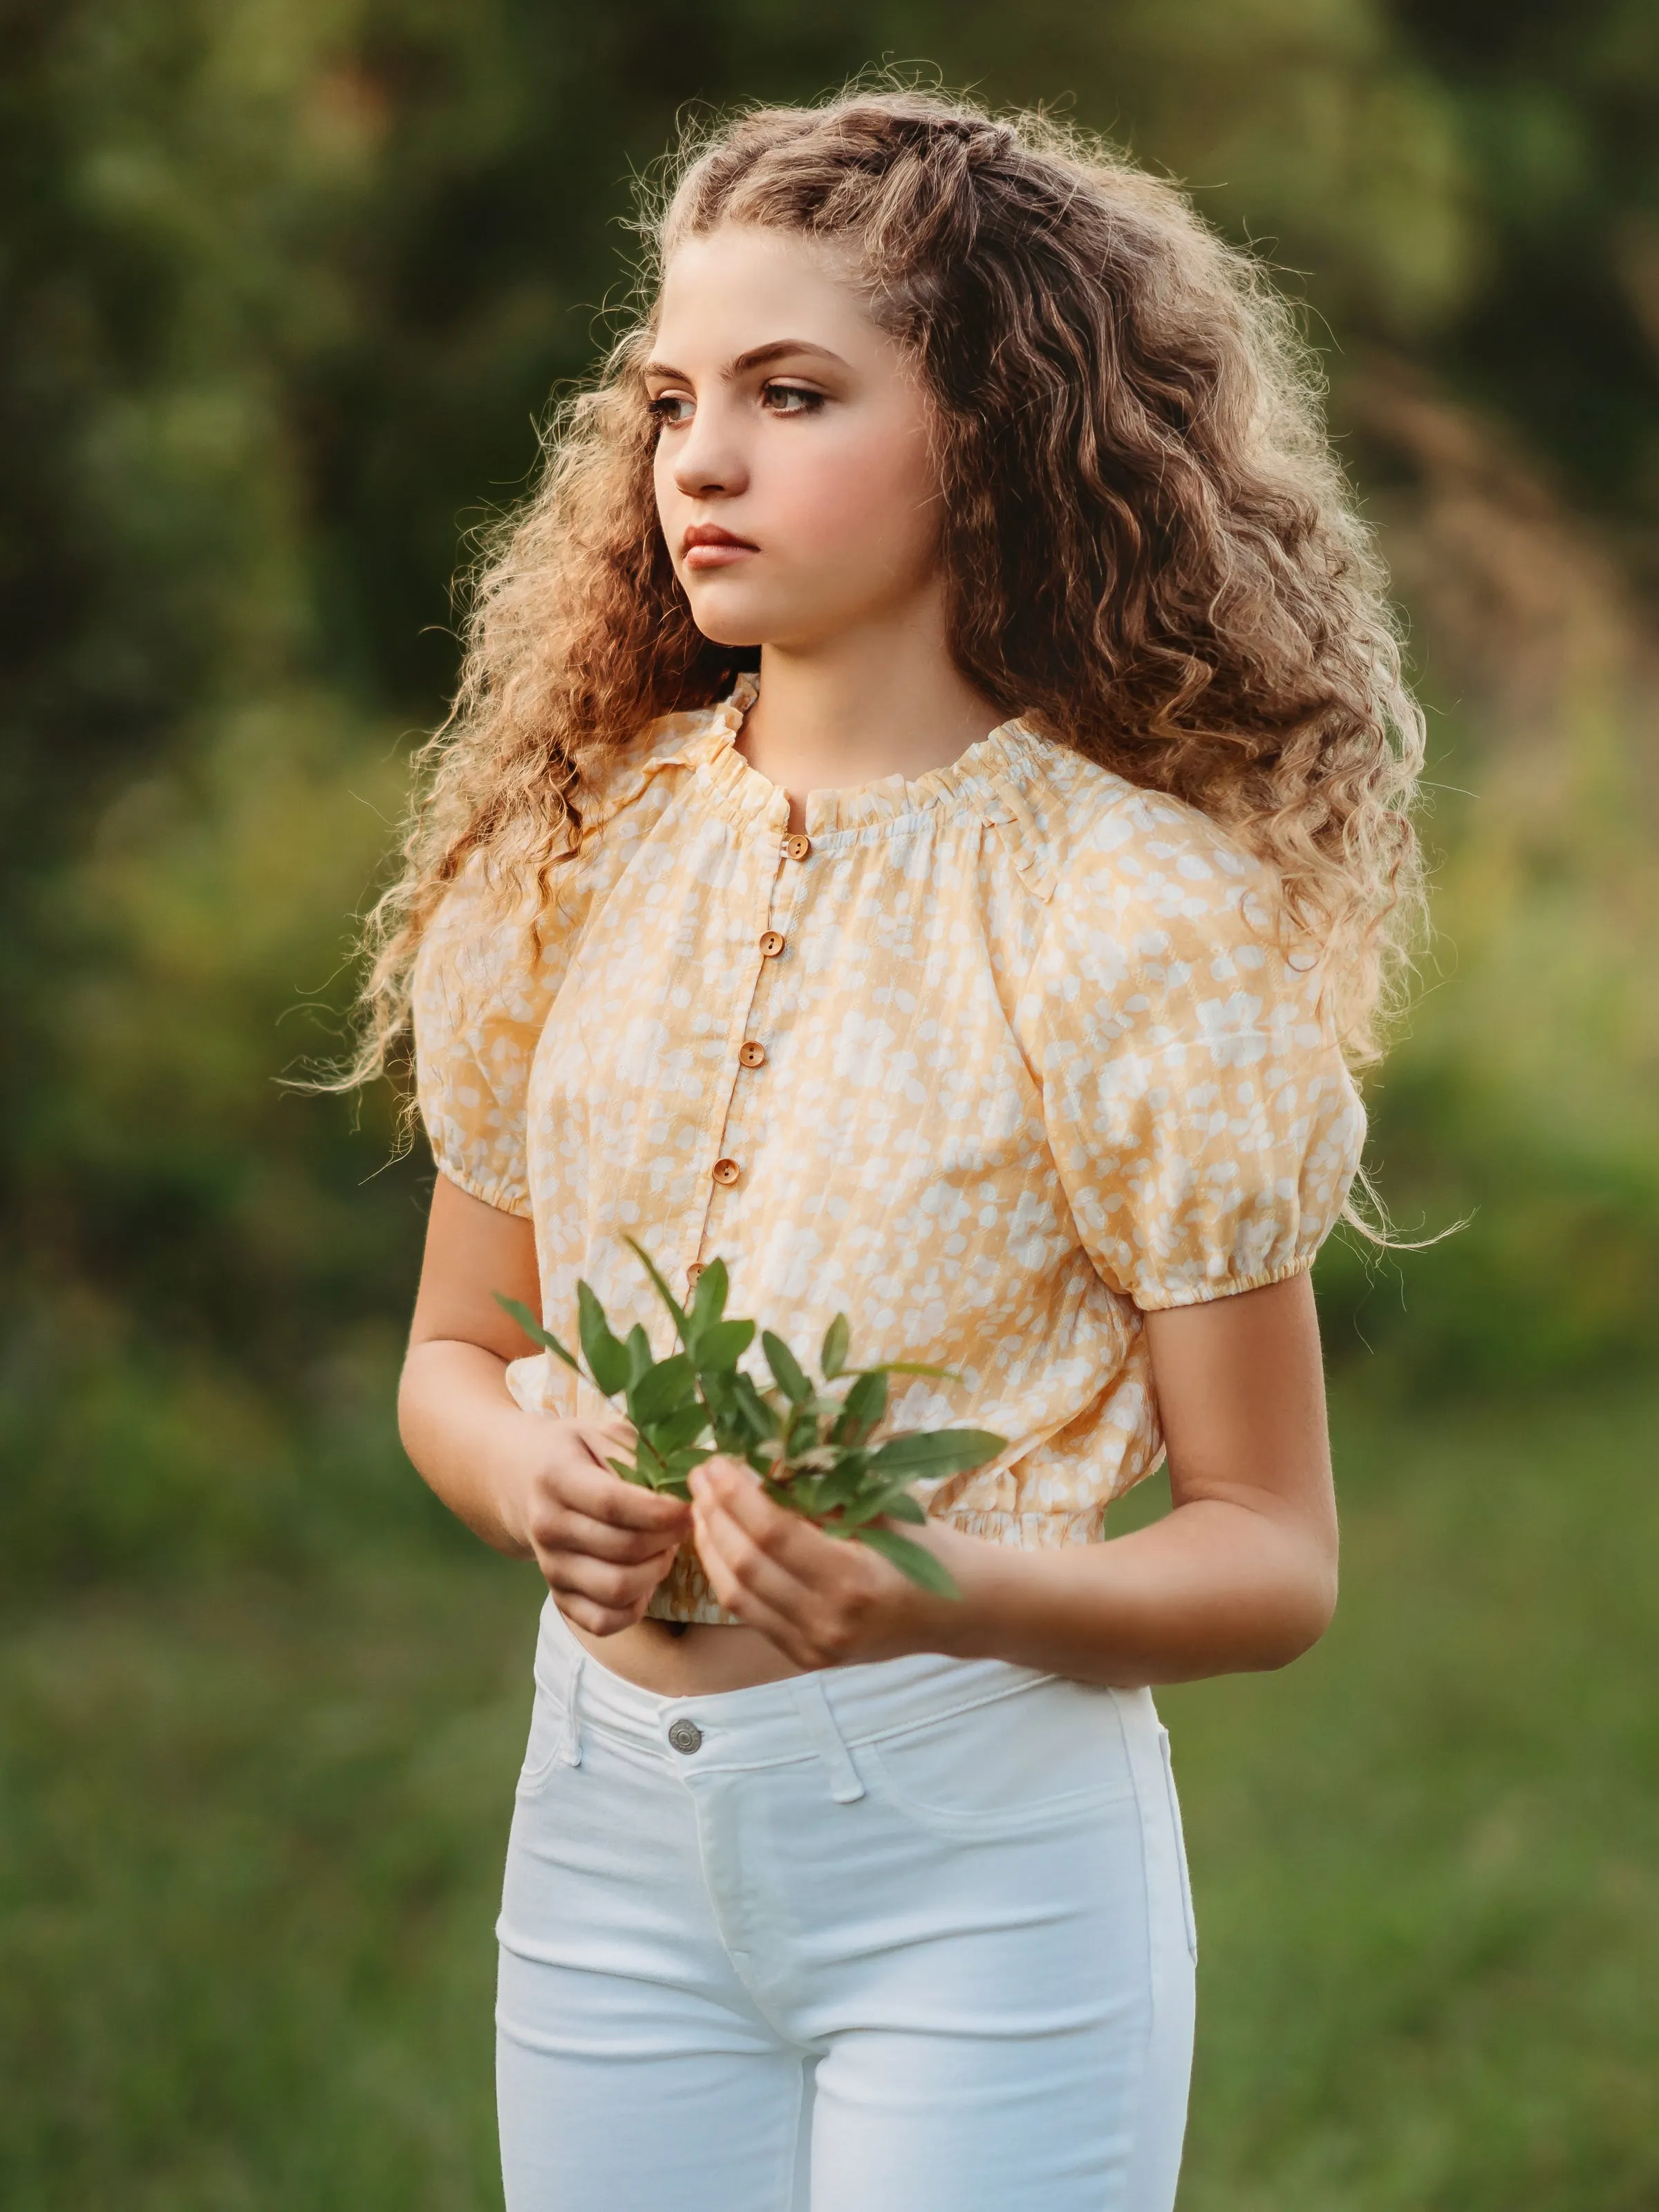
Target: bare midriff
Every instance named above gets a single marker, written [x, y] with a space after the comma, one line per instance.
[694, 1661]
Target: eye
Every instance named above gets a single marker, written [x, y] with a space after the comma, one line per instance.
[790, 400]
[661, 410]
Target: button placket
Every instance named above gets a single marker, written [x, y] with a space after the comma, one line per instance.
[772, 944]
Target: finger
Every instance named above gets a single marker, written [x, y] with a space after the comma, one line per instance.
[759, 1572]
[788, 1537]
[733, 1593]
[560, 1528]
[606, 1436]
[780, 1625]
[602, 1495]
[603, 1580]
[597, 1619]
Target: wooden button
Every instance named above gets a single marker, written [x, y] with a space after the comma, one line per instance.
[798, 846]
[752, 1054]
[726, 1171]
[771, 944]
[692, 1274]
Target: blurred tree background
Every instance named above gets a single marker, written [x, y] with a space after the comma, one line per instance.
[285, 286]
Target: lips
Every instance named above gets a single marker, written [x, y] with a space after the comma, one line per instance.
[706, 546]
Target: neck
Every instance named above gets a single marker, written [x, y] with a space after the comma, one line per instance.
[884, 699]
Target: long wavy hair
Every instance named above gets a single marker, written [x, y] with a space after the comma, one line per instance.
[1148, 545]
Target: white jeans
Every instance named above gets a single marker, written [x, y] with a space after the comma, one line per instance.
[909, 1937]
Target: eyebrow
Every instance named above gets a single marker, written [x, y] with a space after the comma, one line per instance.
[756, 357]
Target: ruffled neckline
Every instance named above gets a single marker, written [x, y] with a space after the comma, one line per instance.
[1011, 754]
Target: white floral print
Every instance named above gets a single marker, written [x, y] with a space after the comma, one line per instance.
[1031, 1061]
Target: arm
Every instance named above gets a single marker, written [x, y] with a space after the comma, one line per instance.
[1240, 1575]
[531, 1486]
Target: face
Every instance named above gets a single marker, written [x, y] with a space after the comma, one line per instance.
[794, 481]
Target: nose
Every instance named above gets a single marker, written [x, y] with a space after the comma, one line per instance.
[707, 455]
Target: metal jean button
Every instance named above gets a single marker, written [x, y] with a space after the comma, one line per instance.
[684, 1735]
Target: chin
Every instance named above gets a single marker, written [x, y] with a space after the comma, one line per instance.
[736, 635]
[733, 625]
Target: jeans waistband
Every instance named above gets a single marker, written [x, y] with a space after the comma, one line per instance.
[820, 1715]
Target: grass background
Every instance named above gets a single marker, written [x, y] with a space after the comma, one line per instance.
[257, 1824]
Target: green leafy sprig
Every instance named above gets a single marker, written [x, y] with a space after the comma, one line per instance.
[813, 1446]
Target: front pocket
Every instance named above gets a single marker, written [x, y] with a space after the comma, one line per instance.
[1022, 1760]
[544, 1747]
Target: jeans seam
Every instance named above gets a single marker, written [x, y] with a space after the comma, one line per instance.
[1150, 1923]
[1183, 1873]
[791, 2153]
[950, 1712]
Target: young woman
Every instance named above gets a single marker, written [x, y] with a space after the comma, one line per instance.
[925, 820]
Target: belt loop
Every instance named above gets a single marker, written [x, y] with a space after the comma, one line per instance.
[570, 1745]
[845, 1787]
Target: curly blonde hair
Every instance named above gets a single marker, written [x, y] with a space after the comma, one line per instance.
[1148, 545]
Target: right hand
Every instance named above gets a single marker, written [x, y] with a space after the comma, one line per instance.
[603, 1545]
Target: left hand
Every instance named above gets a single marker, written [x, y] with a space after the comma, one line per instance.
[823, 1600]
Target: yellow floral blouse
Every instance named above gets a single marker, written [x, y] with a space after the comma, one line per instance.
[994, 1061]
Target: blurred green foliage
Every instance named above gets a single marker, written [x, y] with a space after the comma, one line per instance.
[285, 284]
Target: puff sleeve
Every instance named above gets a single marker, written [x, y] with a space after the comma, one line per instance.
[487, 972]
[1204, 1126]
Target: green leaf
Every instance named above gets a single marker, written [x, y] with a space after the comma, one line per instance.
[654, 1472]
[753, 1410]
[680, 1463]
[709, 1299]
[833, 1358]
[650, 1466]
[803, 1435]
[902, 1507]
[804, 1494]
[607, 1363]
[682, 1321]
[868, 1505]
[682, 1426]
[720, 1394]
[720, 1346]
[864, 1404]
[920, 1452]
[732, 1431]
[647, 1470]
[533, 1329]
[639, 1354]
[785, 1369]
[911, 1560]
[842, 1483]
[918, 1367]
[660, 1391]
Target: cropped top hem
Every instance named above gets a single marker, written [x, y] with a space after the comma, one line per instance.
[684, 1595]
